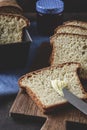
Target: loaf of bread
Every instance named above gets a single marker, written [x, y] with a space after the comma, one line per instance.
[70, 48]
[71, 29]
[10, 6]
[76, 23]
[10, 9]
[38, 85]
[11, 28]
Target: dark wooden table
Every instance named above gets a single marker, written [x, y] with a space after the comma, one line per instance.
[9, 123]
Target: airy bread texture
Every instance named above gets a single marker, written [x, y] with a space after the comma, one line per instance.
[38, 85]
[11, 28]
[71, 29]
[76, 23]
[70, 48]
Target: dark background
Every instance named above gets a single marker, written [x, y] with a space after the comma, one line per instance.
[8, 81]
[70, 5]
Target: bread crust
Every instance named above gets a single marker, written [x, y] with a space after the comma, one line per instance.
[10, 3]
[75, 21]
[58, 34]
[36, 99]
[74, 26]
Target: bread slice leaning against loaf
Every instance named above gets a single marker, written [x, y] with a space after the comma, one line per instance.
[76, 23]
[38, 85]
[70, 48]
[11, 28]
[71, 29]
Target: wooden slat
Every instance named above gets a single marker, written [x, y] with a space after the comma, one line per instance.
[24, 105]
[58, 121]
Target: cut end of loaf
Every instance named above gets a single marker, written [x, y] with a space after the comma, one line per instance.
[11, 27]
[70, 48]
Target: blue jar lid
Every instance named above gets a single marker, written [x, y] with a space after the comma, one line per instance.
[49, 6]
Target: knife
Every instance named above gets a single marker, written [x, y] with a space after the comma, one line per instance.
[75, 101]
[60, 86]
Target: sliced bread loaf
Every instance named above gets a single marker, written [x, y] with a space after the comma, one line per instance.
[76, 23]
[38, 85]
[71, 29]
[11, 28]
[70, 48]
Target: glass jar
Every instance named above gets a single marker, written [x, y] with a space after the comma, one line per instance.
[49, 15]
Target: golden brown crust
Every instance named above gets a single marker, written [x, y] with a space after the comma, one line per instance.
[8, 3]
[66, 22]
[74, 26]
[74, 21]
[46, 68]
[58, 34]
[35, 98]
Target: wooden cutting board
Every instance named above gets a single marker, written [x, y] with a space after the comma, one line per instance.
[24, 105]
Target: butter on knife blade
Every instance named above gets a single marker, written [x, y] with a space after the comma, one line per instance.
[58, 85]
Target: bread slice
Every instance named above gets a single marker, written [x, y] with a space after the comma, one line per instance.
[76, 23]
[38, 85]
[70, 48]
[11, 28]
[71, 29]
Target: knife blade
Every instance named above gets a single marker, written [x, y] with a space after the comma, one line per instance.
[75, 101]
